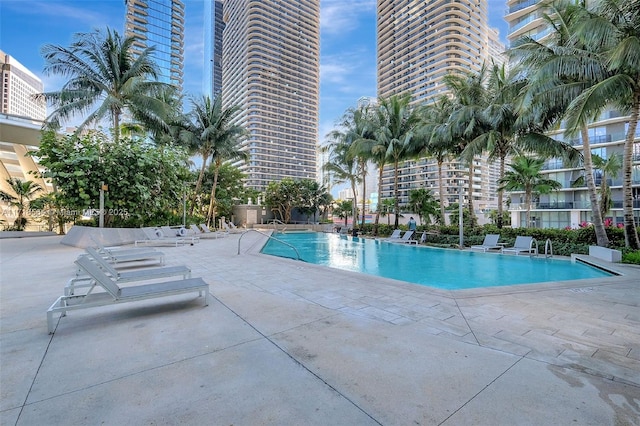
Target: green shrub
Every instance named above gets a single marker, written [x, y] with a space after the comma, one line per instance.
[631, 256]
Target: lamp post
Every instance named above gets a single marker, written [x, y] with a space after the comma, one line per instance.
[460, 216]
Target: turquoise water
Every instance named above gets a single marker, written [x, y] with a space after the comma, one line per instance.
[440, 268]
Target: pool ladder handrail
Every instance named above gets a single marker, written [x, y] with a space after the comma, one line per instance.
[268, 236]
[548, 248]
[275, 223]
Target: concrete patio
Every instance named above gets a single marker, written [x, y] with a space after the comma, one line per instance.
[289, 343]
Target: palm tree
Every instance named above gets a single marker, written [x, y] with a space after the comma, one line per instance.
[355, 126]
[208, 131]
[385, 207]
[343, 164]
[612, 32]
[608, 167]
[105, 79]
[438, 140]
[397, 128]
[421, 201]
[467, 120]
[525, 176]
[24, 192]
[560, 70]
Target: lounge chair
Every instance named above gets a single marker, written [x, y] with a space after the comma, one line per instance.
[119, 251]
[406, 238]
[114, 294]
[490, 243]
[180, 232]
[155, 236]
[131, 255]
[124, 276]
[201, 234]
[523, 245]
[206, 230]
[395, 235]
[231, 230]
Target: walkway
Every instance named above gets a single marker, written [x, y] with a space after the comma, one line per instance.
[292, 343]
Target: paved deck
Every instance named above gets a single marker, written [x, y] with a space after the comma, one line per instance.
[287, 343]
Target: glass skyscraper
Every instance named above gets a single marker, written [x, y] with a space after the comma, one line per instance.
[159, 23]
[213, 28]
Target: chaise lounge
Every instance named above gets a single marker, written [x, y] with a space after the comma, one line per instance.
[523, 245]
[490, 243]
[114, 294]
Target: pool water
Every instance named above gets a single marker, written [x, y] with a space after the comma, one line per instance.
[441, 268]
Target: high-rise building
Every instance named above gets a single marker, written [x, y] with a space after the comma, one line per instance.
[270, 62]
[570, 206]
[213, 29]
[418, 44]
[159, 23]
[18, 86]
[21, 119]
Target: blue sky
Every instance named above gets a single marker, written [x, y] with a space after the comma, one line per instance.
[348, 43]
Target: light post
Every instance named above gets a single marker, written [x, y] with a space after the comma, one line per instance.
[460, 218]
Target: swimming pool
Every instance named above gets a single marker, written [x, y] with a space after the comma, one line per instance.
[441, 268]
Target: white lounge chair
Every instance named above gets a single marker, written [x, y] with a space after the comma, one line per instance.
[395, 235]
[523, 245]
[132, 255]
[206, 230]
[231, 230]
[155, 236]
[490, 243]
[200, 234]
[124, 276]
[180, 232]
[406, 238]
[119, 251]
[114, 294]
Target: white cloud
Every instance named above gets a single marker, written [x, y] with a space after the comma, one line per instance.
[340, 17]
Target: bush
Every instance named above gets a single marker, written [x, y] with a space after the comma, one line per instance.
[631, 256]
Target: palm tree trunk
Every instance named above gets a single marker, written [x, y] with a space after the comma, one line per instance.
[377, 221]
[527, 202]
[630, 233]
[500, 193]
[441, 189]
[364, 192]
[601, 234]
[396, 207]
[472, 215]
[354, 203]
[212, 201]
[198, 184]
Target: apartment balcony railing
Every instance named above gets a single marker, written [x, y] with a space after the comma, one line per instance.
[522, 5]
[569, 205]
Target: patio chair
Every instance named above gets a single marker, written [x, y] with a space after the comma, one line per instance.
[201, 234]
[124, 276]
[395, 235]
[116, 257]
[206, 230]
[119, 251]
[180, 232]
[231, 230]
[523, 245]
[114, 294]
[406, 238]
[155, 236]
[490, 243]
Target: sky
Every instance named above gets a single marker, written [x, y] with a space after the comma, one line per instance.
[347, 42]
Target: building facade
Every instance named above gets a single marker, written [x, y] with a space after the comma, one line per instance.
[570, 206]
[418, 44]
[271, 66]
[159, 23]
[21, 119]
